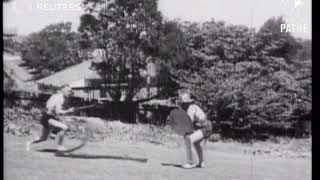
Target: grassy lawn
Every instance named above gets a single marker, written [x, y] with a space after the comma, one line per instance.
[110, 159]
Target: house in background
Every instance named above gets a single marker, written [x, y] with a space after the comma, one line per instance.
[9, 32]
[86, 83]
[79, 77]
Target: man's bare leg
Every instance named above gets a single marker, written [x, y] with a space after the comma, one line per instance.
[60, 140]
[196, 139]
[63, 127]
[199, 151]
[188, 149]
[43, 137]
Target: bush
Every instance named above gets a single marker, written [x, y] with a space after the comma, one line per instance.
[246, 78]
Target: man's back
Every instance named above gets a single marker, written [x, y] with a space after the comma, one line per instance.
[55, 102]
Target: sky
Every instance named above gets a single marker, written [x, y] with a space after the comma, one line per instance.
[32, 15]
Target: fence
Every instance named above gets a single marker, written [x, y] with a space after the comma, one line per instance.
[154, 114]
[35, 99]
[129, 112]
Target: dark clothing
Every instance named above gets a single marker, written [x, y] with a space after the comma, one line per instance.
[45, 119]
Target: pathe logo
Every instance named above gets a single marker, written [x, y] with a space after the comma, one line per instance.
[293, 25]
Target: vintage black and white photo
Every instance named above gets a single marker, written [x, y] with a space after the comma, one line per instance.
[157, 89]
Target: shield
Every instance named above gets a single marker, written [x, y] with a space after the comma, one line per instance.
[180, 122]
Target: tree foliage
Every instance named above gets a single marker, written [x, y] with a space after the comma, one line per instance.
[52, 49]
[127, 32]
[245, 77]
[305, 52]
[277, 43]
[237, 74]
[8, 83]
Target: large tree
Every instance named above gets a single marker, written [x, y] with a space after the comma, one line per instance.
[128, 35]
[173, 52]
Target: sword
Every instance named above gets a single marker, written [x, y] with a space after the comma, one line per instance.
[85, 107]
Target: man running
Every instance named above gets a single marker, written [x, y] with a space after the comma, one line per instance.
[51, 118]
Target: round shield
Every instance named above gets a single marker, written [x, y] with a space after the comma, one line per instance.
[180, 122]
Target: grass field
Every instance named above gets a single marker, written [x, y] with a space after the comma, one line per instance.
[114, 160]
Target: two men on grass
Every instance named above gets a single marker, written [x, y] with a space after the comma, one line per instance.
[202, 127]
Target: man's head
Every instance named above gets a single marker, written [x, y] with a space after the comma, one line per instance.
[66, 90]
[184, 99]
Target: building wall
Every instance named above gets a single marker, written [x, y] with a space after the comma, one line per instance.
[87, 94]
[78, 83]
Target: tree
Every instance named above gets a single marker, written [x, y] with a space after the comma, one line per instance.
[305, 53]
[275, 42]
[127, 32]
[52, 49]
[172, 53]
[238, 75]
[8, 83]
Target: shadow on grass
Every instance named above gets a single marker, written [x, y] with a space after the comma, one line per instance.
[92, 156]
[47, 150]
[176, 165]
[172, 164]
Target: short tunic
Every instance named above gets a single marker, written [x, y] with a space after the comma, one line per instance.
[55, 103]
[45, 119]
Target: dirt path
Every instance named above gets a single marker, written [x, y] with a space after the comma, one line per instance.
[111, 160]
[11, 65]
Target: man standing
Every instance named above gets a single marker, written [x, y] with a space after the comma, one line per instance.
[51, 118]
[202, 126]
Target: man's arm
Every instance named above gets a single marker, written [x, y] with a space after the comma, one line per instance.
[60, 110]
[63, 112]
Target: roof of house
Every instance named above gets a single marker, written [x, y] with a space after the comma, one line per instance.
[9, 31]
[82, 71]
[71, 74]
